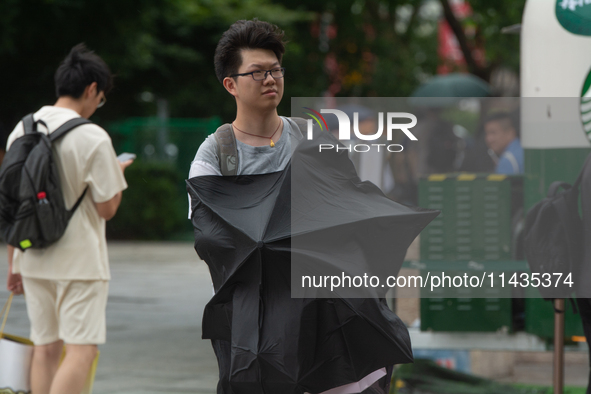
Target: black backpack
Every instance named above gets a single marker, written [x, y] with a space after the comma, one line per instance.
[32, 209]
[553, 242]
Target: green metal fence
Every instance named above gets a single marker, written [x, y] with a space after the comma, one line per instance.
[155, 205]
[175, 140]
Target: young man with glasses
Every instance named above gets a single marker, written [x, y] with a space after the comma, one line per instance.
[66, 284]
[248, 64]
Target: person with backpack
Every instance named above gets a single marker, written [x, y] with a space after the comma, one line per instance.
[65, 280]
[259, 141]
[557, 241]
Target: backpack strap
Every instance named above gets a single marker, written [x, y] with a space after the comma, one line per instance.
[227, 150]
[299, 131]
[30, 124]
[574, 305]
[554, 186]
[60, 132]
[75, 207]
[302, 125]
[69, 125]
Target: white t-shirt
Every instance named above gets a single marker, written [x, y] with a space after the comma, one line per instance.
[84, 157]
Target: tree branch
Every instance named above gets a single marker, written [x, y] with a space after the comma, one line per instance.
[456, 27]
[413, 17]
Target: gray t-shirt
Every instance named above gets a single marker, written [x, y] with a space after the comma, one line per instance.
[251, 159]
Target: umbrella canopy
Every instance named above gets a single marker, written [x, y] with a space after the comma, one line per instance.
[315, 214]
[445, 90]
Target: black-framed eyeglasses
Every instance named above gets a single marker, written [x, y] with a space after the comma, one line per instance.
[102, 102]
[261, 75]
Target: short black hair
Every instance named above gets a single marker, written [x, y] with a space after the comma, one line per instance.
[508, 120]
[78, 70]
[495, 116]
[243, 34]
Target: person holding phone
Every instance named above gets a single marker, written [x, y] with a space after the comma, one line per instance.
[67, 283]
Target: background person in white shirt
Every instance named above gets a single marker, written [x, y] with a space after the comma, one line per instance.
[67, 283]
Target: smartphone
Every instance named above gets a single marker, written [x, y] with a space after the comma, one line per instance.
[126, 156]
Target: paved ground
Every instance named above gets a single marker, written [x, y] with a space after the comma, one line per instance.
[157, 295]
[156, 300]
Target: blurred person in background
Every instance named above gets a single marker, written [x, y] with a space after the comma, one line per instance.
[436, 151]
[66, 283]
[371, 166]
[502, 139]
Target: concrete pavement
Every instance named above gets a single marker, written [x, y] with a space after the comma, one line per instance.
[156, 300]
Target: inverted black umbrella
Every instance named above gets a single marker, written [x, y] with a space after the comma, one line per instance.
[257, 232]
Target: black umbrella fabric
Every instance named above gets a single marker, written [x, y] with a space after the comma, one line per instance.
[246, 228]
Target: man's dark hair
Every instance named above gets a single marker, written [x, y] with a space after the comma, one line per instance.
[78, 70]
[498, 115]
[507, 119]
[245, 34]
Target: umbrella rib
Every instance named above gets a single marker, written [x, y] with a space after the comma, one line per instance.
[281, 178]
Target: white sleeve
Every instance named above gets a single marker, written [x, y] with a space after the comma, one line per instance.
[201, 168]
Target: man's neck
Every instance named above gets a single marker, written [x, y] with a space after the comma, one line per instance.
[70, 103]
[258, 123]
[508, 145]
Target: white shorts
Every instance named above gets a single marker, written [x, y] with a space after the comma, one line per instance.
[70, 310]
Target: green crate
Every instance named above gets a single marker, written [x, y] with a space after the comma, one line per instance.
[466, 314]
[475, 225]
[434, 238]
[476, 216]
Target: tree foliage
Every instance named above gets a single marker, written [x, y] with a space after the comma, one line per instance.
[165, 47]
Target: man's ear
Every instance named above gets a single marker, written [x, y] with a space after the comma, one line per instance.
[91, 90]
[230, 85]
